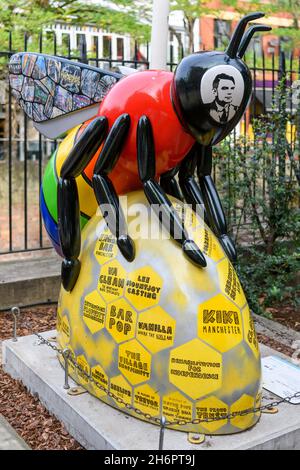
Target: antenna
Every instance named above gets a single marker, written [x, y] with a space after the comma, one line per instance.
[235, 41]
[248, 36]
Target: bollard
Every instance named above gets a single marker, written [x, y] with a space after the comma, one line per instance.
[15, 311]
[66, 353]
[162, 433]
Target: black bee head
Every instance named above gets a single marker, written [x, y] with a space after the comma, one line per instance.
[211, 90]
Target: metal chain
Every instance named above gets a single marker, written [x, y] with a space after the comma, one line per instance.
[179, 422]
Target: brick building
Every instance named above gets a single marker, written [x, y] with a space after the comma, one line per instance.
[215, 31]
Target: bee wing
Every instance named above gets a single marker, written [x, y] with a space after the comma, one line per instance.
[50, 88]
[126, 70]
[55, 128]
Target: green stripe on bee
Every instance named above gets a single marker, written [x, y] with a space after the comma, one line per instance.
[50, 191]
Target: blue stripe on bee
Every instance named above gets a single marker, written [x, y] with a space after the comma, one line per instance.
[50, 225]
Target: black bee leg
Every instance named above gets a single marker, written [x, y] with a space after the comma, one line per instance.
[189, 187]
[212, 202]
[169, 184]
[156, 196]
[104, 190]
[67, 198]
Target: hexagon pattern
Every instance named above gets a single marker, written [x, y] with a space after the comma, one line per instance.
[65, 329]
[94, 310]
[121, 389]
[134, 362]
[230, 284]
[176, 406]
[220, 323]
[249, 331]
[106, 248]
[143, 288]
[195, 368]
[112, 281]
[58, 320]
[72, 359]
[245, 402]
[155, 340]
[147, 400]
[121, 320]
[258, 402]
[209, 244]
[101, 378]
[156, 329]
[84, 365]
[212, 408]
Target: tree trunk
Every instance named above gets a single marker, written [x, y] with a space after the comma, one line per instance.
[178, 37]
[190, 24]
[270, 243]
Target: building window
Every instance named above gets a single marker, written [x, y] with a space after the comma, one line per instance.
[221, 33]
[106, 47]
[120, 48]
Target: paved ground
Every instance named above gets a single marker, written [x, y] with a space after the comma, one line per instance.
[9, 439]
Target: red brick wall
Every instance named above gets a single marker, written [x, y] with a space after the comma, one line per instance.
[206, 27]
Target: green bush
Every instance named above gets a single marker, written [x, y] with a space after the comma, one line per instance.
[259, 182]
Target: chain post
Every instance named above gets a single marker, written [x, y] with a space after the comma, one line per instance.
[162, 433]
[15, 311]
[66, 354]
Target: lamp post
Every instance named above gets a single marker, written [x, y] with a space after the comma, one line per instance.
[159, 35]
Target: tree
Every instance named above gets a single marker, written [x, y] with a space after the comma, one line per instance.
[259, 179]
[293, 32]
[191, 10]
[31, 16]
[292, 7]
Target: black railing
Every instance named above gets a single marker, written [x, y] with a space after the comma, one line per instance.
[24, 153]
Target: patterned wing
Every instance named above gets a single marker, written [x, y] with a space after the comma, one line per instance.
[47, 87]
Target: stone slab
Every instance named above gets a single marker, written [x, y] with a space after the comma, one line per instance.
[98, 426]
[276, 331]
[9, 439]
[29, 281]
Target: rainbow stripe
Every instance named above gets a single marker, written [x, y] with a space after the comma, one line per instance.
[48, 200]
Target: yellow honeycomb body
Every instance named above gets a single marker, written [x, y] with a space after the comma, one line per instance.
[159, 333]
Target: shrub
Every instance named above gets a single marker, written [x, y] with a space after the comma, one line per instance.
[259, 180]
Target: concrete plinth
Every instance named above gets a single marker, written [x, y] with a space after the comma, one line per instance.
[98, 426]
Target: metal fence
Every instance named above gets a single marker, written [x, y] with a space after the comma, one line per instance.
[24, 154]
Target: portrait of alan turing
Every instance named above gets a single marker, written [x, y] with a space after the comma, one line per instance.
[222, 108]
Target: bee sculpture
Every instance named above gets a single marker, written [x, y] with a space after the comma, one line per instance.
[138, 131]
[161, 330]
